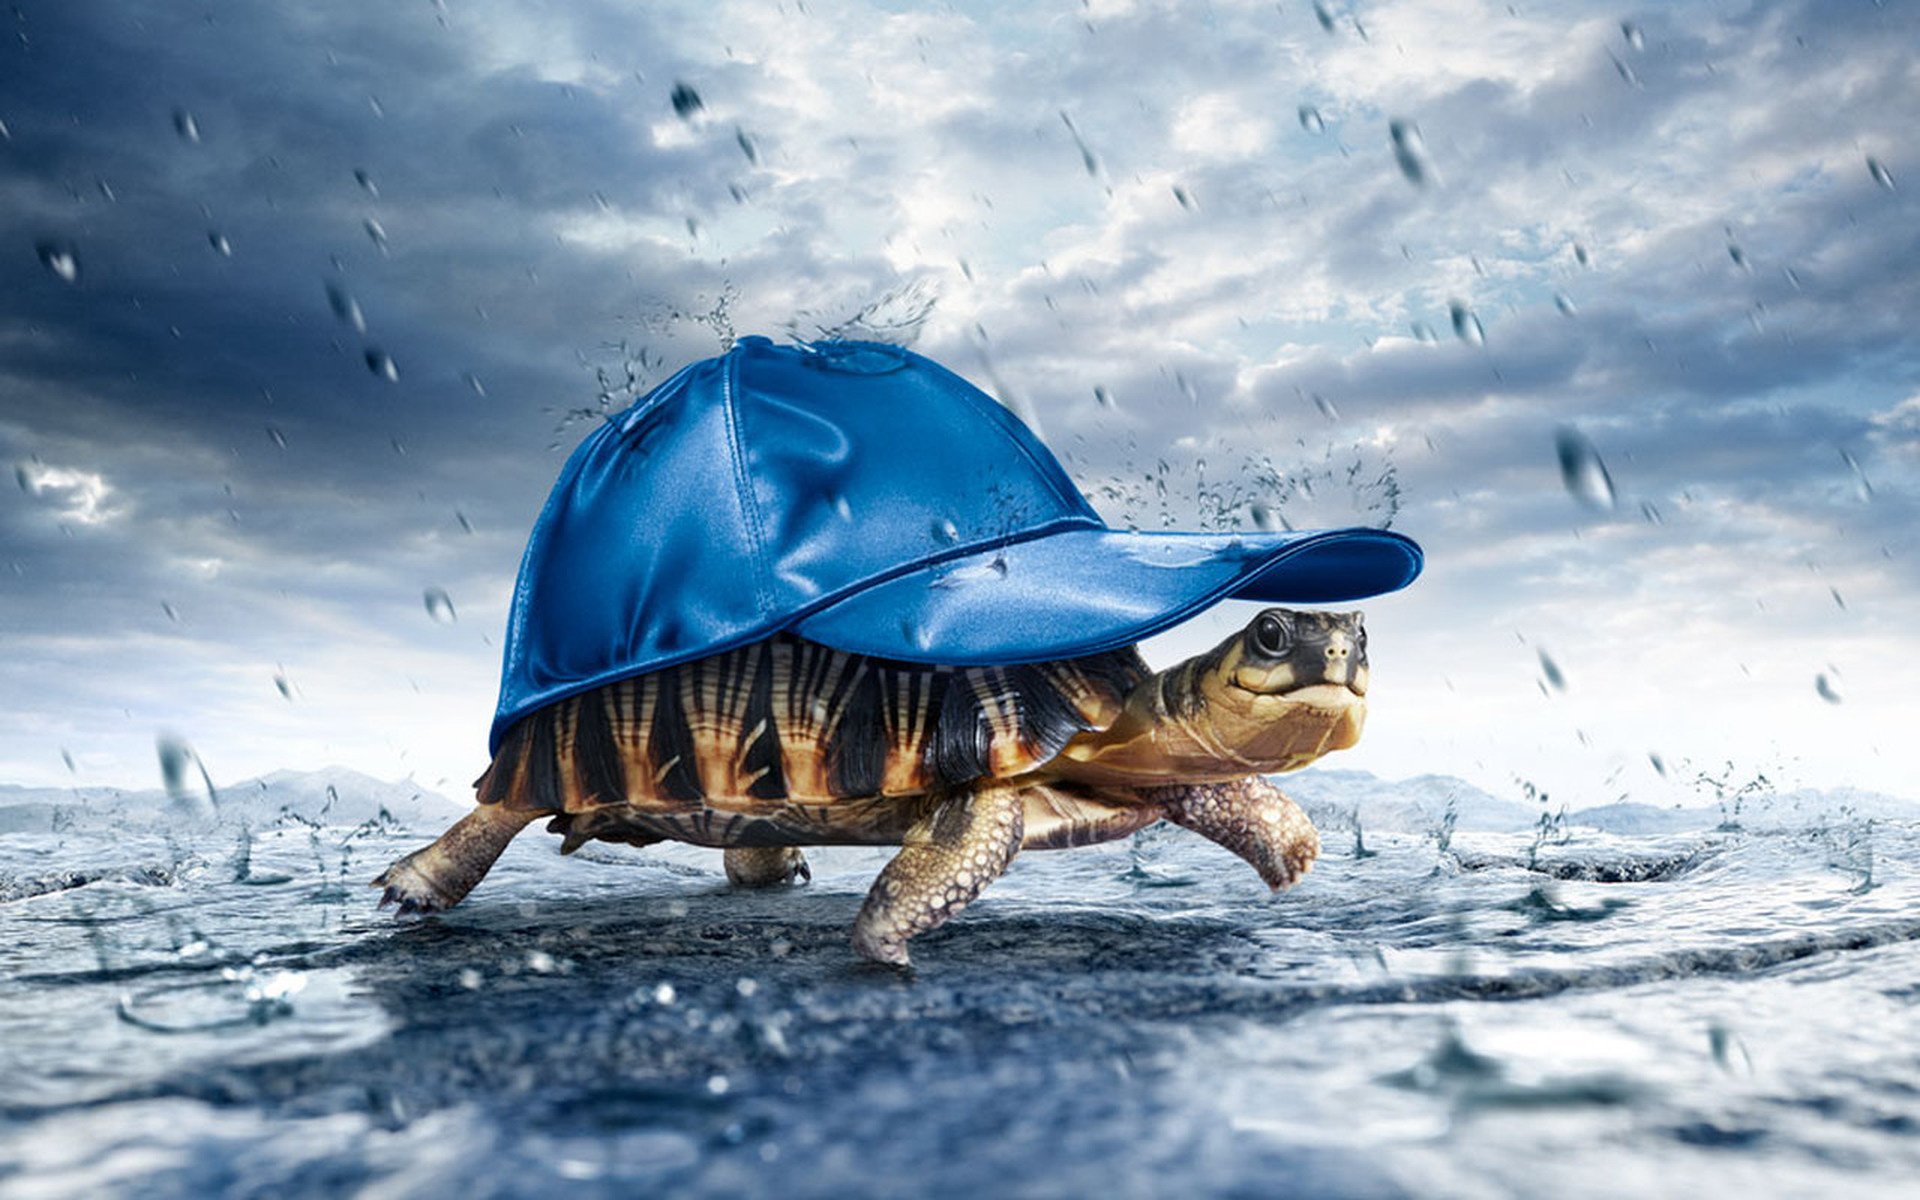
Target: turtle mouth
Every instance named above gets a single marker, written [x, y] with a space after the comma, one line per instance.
[1324, 697]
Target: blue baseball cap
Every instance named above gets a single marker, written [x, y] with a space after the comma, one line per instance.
[867, 498]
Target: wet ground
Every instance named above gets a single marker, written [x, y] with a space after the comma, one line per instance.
[1710, 1013]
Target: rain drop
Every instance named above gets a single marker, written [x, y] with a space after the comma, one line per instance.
[1266, 518]
[220, 244]
[1564, 303]
[1326, 407]
[276, 437]
[946, 531]
[1466, 325]
[1423, 332]
[464, 522]
[1321, 15]
[1825, 687]
[377, 232]
[746, 146]
[189, 788]
[1311, 120]
[473, 381]
[1087, 159]
[381, 363]
[173, 614]
[366, 183]
[1878, 170]
[1635, 38]
[439, 605]
[1180, 194]
[1410, 151]
[686, 101]
[60, 258]
[186, 126]
[1659, 764]
[1582, 471]
[346, 308]
[1552, 671]
[1102, 396]
[1651, 513]
[1838, 600]
[67, 758]
[283, 685]
[1738, 255]
[1580, 255]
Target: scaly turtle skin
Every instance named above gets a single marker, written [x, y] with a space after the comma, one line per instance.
[785, 743]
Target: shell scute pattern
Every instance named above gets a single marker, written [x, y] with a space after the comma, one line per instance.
[786, 724]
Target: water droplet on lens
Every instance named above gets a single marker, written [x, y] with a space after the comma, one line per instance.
[1825, 687]
[1564, 303]
[1878, 170]
[1311, 120]
[366, 183]
[1410, 151]
[220, 244]
[186, 126]
[1582, 471]
[1466, 324]
[60, 258]
[686, 101]
[1551, 670]
[346, 308]
[189, 788]
[377, 232]
[439, 605]
[381, 363]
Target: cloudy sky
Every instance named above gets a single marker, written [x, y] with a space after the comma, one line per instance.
[301, 307]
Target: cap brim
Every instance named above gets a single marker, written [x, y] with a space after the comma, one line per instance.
[1081, 591]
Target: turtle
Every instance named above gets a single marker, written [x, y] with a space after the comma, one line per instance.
[784, 743]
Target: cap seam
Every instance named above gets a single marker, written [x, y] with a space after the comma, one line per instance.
[749, 503]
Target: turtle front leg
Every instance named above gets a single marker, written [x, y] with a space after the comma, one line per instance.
[1250, 817]
[438, 876]
[765, 866]
[946, 859]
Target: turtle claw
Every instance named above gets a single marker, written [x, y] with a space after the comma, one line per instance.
[413, 889]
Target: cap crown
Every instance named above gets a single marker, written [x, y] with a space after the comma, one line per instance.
[752, 488]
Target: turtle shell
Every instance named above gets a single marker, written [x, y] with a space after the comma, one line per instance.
[784, 726]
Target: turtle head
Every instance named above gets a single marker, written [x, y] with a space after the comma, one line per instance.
[1288, 688]
[1280, 693]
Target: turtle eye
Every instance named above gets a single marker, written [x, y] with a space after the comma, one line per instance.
[1270, 635]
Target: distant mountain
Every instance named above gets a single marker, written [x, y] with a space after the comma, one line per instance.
[1336, 799]
[330, 796]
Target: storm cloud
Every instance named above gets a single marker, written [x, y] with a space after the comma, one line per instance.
[302, 306]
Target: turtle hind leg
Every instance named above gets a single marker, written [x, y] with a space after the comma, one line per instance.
[1250, 817]
[946, 859]
[765, 866]
[438, 876]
